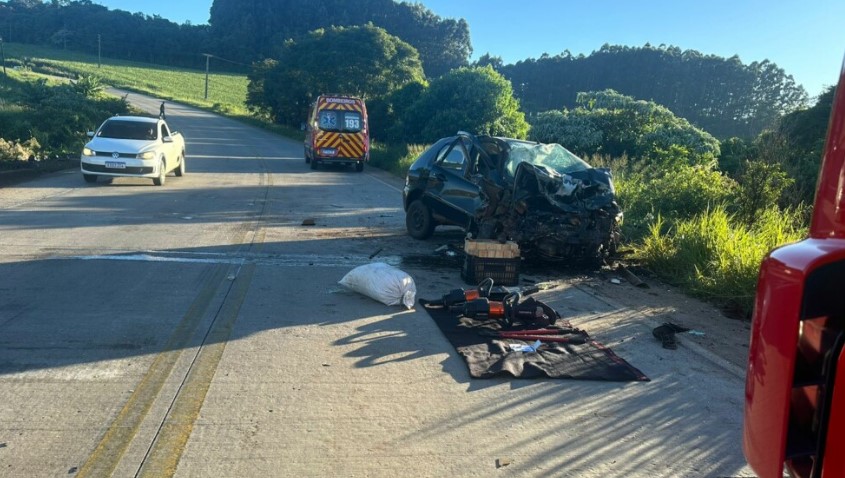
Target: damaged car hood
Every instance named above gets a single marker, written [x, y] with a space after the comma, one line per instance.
[551, 202]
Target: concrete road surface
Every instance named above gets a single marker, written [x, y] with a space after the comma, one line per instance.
[197, 329]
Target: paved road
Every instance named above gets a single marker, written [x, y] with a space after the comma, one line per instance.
[197, 329]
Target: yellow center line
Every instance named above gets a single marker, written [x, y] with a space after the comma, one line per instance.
[176, 430]
[106, 456]
[166, 452]
[169, 445]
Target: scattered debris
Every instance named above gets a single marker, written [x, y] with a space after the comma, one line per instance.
[442, 248]
[309, 222]
[615, 281]
[502, 462]
[2, 445]
[666, 334]
[633, 279]
[326, 365]
[376, 253]
[231, 277]
[337, 206]
[72, 470]
[696, 332]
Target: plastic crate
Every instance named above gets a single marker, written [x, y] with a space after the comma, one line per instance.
[502, 271]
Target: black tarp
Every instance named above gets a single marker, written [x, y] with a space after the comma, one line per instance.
[488, 356]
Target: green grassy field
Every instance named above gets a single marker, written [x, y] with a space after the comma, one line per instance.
[226, 92]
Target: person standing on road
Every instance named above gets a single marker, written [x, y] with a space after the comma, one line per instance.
[161, 111]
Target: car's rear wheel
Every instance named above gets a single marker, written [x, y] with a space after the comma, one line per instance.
[359, 166]
[418, 220]
[180, 171]
[162, 174]
[307, 159]
[313, 164]
[90, 178]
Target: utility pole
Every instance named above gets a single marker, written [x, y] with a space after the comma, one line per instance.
[207, 57]
[99, 50]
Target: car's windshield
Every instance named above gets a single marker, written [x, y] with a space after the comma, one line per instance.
[552, 156]
[334, 120]
[128, 130]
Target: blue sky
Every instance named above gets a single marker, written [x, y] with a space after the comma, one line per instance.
[804, 38]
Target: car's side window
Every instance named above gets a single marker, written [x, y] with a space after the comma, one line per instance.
[164, 132]
[453, 158]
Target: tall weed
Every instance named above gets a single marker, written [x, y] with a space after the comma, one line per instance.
[395, 158]
[714, 256]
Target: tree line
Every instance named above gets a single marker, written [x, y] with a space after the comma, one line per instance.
[242, 31]
[723, 96]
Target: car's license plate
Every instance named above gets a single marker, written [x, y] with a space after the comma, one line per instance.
[115, 165]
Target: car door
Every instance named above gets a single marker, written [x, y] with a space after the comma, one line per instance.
[451, 195]
[170, 148]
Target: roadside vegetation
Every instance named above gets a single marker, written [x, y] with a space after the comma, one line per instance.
[707, 185]
[43, 121]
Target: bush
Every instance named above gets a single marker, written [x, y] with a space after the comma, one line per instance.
[18, 151]
[396, 158]
[677, 193]
[478, 100]
[713, 256]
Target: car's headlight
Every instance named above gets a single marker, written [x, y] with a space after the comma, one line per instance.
[88, 152]
[147, 155]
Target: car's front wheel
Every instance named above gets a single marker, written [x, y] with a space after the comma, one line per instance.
[419, 221]
[359, 166]
[162, 174]
[180, 171]
[90, 178]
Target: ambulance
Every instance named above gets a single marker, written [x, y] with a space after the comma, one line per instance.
[337, 132]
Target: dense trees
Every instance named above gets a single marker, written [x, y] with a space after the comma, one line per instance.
[88, 27]
[368, 62]
[723, 96]
[363, 61]
[616, 125]
[257, 29]
[240, 31]
[475, 99]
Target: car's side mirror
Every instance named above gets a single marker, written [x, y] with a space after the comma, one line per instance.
[90, 134]
[167, 139]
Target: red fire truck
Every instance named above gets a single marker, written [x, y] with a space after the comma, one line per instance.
[795, 387]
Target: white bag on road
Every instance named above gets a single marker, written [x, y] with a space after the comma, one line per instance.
[382, 282]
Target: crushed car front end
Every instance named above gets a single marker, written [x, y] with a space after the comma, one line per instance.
[552, 203]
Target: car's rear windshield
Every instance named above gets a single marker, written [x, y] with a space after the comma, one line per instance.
[128, 130]
[552, 156]
[335, 120]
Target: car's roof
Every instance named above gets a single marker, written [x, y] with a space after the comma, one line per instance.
[139, 119]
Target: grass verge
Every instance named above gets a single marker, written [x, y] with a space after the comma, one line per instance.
[715, 257]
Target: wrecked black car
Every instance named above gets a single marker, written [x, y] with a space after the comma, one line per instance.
[543, 197]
